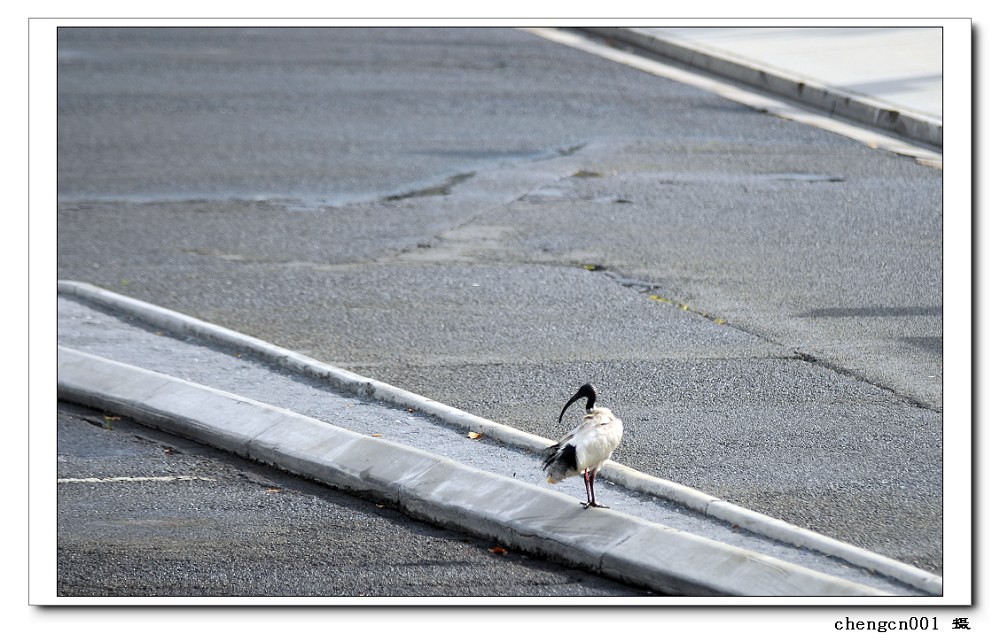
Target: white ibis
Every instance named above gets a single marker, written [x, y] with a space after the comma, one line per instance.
[587, 447]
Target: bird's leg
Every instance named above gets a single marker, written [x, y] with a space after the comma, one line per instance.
[591, 495]
[586, 485]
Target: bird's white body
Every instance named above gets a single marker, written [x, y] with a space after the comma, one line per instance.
[587, 447]
[594, 440]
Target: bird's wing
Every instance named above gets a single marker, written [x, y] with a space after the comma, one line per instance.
[587, 427]
[570, 435]
[585, 431]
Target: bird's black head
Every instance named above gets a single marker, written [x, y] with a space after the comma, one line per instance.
[588, 392]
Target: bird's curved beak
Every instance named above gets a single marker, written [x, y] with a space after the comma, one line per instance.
[587, 391]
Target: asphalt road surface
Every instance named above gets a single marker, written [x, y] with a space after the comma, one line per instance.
[489, 219]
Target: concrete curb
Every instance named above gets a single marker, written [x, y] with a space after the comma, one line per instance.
[431, 487]
[615, 472]
[830, 100]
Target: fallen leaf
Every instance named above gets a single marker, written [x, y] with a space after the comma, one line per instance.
[475, 435]
[169, 450]
[273, 490]
[498, 550]
[377, 435]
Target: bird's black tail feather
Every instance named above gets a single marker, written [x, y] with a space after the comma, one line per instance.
[560, 462]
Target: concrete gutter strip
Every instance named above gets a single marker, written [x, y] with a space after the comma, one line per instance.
[514, 513]
[292, 361]
[615, 472]
[830, 100]
[773, 528]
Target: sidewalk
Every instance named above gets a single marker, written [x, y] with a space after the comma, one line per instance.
[888, 79]
[245, 396]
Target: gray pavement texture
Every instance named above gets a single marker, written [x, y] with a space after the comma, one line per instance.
[759, 300]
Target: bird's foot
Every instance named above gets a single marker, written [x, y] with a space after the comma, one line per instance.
[593, 504]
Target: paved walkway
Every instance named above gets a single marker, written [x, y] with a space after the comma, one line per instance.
[900, 67]
[886, 78]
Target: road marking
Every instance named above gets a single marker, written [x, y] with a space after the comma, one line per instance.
[133, 479]
[758, 101]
